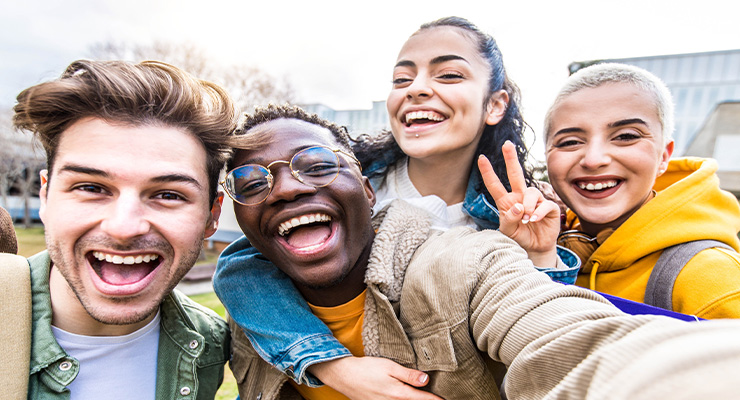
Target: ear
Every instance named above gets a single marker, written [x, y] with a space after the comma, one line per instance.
[665, 158]
[496, 107]
[212, 223]
[369, 191]
[43, 192]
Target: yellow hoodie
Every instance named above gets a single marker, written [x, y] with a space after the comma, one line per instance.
[689, 206]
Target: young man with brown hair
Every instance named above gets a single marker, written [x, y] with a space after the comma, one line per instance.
[129, 194]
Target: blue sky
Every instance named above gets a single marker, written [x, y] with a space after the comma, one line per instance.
[341, 53]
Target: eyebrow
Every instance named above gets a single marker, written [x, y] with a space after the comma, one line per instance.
[103, 174]
[629, 121]
[259, 160]
[435, 60]
[616, 124]
[568, 130]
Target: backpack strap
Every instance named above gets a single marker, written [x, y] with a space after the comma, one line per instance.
[659, 289]
[15, 320]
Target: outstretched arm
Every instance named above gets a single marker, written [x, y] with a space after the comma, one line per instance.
[526, 215]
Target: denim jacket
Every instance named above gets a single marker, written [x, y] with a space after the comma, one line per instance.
[275, 317]
[193, 347]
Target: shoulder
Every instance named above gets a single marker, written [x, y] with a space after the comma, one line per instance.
[709, 285]
[465, 250]
[197, 317]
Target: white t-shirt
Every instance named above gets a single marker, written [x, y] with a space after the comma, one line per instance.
[397, 185]
[114, 367]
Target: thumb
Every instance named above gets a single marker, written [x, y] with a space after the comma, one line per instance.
[410, 376]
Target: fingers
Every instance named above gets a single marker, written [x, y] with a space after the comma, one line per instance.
[490, 179]
[414, 378]
[410, 376]
[526, 213]
[546, 209]
[513, 168]
[532, 198]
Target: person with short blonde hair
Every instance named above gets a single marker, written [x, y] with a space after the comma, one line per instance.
[630, 206]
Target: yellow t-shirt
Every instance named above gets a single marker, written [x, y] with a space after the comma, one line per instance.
[345, 322]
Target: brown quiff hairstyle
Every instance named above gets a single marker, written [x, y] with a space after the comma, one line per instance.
[146, 93]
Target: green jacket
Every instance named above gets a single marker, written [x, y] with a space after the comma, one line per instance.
[186, 368]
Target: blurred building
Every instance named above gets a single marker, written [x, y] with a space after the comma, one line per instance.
[706, 92]
[357, 122]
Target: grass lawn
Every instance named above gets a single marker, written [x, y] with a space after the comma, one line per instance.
[228, 390]
[31, 241]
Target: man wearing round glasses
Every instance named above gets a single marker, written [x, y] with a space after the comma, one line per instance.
[451, 304]
[317, 166]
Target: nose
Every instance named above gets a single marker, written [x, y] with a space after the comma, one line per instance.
[596, 155]
[419, 88]
[285, 186]
[126, 218]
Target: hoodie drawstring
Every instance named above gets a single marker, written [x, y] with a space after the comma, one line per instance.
[592, 280]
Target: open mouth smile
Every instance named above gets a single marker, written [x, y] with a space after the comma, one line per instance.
[597, 186]
[306, 233]
[422, 118]
[121, 271]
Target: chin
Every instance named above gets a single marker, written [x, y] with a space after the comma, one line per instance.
[122, 314]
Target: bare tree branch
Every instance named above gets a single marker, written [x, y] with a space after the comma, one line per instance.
[249, 86]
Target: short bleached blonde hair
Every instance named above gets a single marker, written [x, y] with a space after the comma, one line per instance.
[599, 74]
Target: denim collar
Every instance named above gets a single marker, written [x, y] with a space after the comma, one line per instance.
[476, 205]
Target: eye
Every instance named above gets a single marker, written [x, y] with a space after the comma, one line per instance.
[627, 136]
[320, 169]
[169, 196]
[567, 143]
[450, 76]
[89, 188]
[252, 187]
[401, 82]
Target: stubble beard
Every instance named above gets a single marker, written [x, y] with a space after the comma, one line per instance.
[99, 313]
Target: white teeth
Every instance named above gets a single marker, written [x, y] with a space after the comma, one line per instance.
[286, 226]
[598, 185]
[128, 260]
[430, 115]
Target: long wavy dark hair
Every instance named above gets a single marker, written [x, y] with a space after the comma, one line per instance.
[383, 149]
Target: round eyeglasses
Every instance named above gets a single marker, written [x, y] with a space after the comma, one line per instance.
[316, 166]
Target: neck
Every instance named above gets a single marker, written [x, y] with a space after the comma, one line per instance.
[446, 179]
[69, 315]
[593, 229]
[346, 289]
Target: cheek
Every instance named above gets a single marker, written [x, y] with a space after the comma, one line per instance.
[555, 167]
[393, 102]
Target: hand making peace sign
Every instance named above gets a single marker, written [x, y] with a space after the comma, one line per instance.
[525, 215]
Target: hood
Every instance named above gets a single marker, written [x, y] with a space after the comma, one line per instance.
[400, 229]
[689, 205]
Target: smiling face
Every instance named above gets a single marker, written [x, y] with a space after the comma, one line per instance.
[440, 102]
[318, 236]
[604, 151]
[125, 212]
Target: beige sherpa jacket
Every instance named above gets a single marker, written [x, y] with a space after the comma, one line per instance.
[462, 304]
